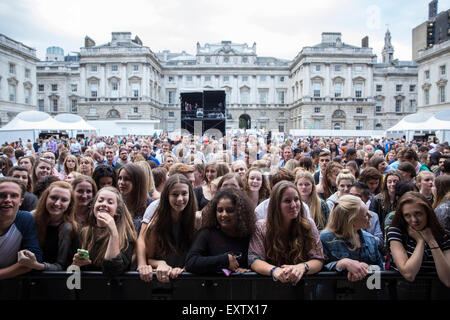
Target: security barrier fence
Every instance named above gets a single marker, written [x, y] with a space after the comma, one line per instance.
[250, 286]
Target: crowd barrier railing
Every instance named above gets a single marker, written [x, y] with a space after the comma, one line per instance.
[389, 285]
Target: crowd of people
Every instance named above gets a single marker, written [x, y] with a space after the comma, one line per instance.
[283, 207]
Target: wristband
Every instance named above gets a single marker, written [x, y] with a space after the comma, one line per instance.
[271, 273]
[434, 248]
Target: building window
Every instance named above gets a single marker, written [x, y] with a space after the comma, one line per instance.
[41, 104]
[316, 89]
[379, 87]
[134, 110]
[358, 90]
[337, 126]
[74, 88]
[263, 97]
[171, 97]
[358, 68]
[93, 68]
[171, 114]
[189, 78]
[281, 97]
[114, 67]
[244, 60]
[92, 111]
[426, 96]
[40, 87]
[338, 89]
[427, 74]
[27, 96]
[317, 67]
[398, 105]
[442, 94]
[281, 79]
[54, 87]
[244, 78]
[135, 67]
[73, 106]
[207, 59]
[398, 87]
[12, 68]
[317, 123]
[442, 70]
[359, 125]
[135, 89]
[359, 110]
[171, 79]
[378, 106]
[262, 78]
[114, 89]
[244, 96]
[412, 88]
[226, 78]
[207, 78]
[12, 93]
[412, 104]
[317, 110]
[27, 73]
[54, 105]
[226, 60]
[337, 68]
[281, 126]
[94, 89]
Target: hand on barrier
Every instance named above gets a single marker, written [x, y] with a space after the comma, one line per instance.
[78, 260]
[145, 272]
[233, 263]
[356, 270]
[27, 259]
[294, 273]
[175, 272]
[162, 273]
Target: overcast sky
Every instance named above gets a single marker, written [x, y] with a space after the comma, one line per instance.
[280, 28]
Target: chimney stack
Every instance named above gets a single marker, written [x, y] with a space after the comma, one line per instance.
[432, 9]
[365, 42]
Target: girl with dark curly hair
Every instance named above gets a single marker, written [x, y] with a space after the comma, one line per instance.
[228, 222]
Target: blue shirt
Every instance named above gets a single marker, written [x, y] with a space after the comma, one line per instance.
[335, 249]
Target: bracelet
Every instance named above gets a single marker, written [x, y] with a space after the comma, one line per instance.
[434, 248]
[271, 273]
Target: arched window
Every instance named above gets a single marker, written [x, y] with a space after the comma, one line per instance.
[113, 113]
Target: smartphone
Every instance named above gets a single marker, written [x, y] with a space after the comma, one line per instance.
[84, 254]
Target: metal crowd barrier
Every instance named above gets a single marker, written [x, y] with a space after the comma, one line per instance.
[251, 286]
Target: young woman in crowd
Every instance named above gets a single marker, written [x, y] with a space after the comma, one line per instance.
[159, 176]
[239, 167]
[231, 180]
[133, 187]
[306, 162]
[104, 176]
[353, 167]
[42, 167]
[27, 162]
[366, 158]
[346, 245]
[145, 166]
[385, 201]
[169, 160]
[425, 183]
[198, 174]
[391, 157]
[318, 208]
[171, 230]
[29, 199]
[286, 245]
[256, 186]
[85, 189]
[373, 179]
[109, 235]
[222, 169]
[203, 193]
[87, 166]
[379, 163]
[228, 223]
[344, 182]
[442, 201]
[56, 229]
[328, 184]
[70, 165]
[417, 240]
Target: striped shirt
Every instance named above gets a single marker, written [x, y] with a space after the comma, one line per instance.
[396, 234]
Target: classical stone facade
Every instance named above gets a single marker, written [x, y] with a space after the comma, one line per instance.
[17, 78]
[331, 85]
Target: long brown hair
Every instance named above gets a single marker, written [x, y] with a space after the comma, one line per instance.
[160, 226]
[264, 190]
[412, 197]
[313, 200]
[328, 188]
[91, 235]
[286, 246]
[42, 216]
[442, 184]
[136, 200]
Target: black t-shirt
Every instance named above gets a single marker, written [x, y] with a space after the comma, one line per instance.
[210, 249]
[201, 200]
[50, 247]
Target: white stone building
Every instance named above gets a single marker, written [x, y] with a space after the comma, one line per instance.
[331, 85]
[433, 77]
[17, 78]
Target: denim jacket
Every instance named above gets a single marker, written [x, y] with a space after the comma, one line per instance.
[335, 249]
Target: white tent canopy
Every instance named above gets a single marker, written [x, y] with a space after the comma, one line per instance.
[73, 122]
[33, 120]
[424, 122]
